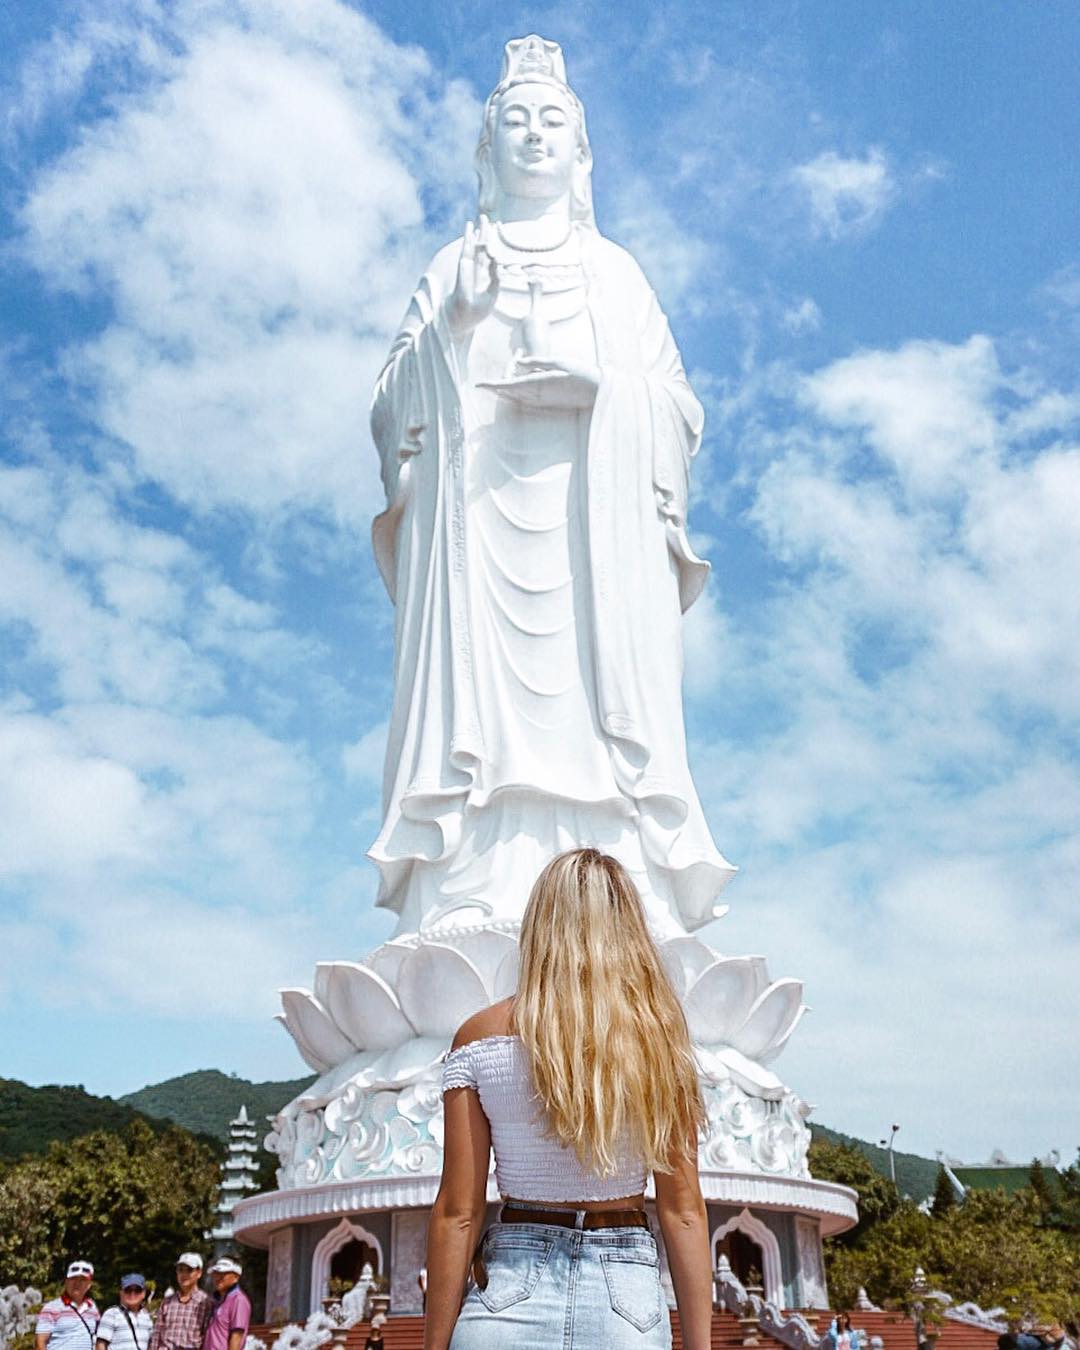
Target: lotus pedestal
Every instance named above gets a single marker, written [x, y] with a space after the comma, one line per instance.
[360, 1151]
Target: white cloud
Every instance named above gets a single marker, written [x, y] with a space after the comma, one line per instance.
[846, 195]
[363, 761]
[707, 652]
[1063, 288]
[925, 408]
[905, 803]
[678, 264]
[252, 210]
[804, 317]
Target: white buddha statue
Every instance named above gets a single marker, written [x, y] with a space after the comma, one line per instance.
[536, 430]
[354, 1304]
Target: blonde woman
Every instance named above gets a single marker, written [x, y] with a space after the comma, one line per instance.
[583, 1083]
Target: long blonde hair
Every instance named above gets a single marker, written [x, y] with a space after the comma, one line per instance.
[606, 1037]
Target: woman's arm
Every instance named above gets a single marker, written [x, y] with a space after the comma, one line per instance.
[685, 1226]
[458, 1213]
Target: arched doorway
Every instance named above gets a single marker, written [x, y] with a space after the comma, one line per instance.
[347, 1263]
[349, 1240]
[744, 1255]
[752, 1244]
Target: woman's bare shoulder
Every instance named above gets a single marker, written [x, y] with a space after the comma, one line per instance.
[493, 1021]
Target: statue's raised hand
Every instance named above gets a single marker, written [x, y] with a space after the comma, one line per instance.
[477, 285]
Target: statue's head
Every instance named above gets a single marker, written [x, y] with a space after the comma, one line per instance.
[534, 142]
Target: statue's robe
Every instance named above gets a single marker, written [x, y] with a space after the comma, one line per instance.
[642, 574]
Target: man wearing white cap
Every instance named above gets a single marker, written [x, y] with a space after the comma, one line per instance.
[183, 1316]
[231, 1317]
[70, 1321]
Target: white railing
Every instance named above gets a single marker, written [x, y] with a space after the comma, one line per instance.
[17, 1312]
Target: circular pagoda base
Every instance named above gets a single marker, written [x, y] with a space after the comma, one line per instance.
[774, 1223]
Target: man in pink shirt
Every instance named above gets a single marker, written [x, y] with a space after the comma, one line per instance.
[229, 1322]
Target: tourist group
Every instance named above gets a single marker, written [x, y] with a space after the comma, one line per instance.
[188, 1319]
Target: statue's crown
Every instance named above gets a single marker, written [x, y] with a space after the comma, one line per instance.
[531, 58]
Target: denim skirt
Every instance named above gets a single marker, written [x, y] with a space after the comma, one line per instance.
[549, 1286]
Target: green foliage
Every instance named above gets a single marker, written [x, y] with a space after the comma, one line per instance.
[1064, 1212]
[1040, 1187]
[991, 1249]
[944, 1195]
[204, 1102]
[849, 1166]
[31, 1118]
[127, 1200]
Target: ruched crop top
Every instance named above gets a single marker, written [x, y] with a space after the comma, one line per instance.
[529, 1165]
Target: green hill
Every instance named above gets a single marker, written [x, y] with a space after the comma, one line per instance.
[915, 1176]
[31, 1118]
[205, 1101]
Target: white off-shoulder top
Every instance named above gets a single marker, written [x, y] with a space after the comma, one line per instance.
[529, 1165]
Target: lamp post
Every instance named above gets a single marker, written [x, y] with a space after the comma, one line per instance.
[888, 1144]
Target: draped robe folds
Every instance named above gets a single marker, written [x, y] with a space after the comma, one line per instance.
[644, 430]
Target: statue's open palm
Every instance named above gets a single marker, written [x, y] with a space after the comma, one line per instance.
[477, 286]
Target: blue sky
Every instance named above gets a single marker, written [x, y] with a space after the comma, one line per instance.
[861, 220]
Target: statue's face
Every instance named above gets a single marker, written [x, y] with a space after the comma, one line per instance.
[534, 143]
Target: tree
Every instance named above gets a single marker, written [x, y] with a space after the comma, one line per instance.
[991, 1249]
[1040, 1186]
[1066, 1209]
[126, 1201]
[877, 1196]
[944, 1195]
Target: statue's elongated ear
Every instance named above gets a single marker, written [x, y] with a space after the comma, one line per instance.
[485, 172]
[581, 207]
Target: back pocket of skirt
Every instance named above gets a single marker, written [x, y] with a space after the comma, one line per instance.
[514, 1265]
[633, 1284]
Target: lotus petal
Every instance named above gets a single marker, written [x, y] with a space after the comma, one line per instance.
[319, 984]
[506, 977]
[767, 1056]
[404, 1062]
[327, 1086]
[438, 988]
[386, 960]
[750, 1076]
[772, 1017]
[685, 960]
[711, 1067]
[316, 1037]
[720, 998]
[486, 950]
[307, 1055]
[761, 973]
[364, 1006]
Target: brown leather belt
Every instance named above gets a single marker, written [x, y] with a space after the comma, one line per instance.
[591, 1219]
[567, 1218]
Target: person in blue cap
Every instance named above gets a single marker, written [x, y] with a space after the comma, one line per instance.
[127, 1325]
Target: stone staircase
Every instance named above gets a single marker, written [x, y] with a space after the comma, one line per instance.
[896, 1332]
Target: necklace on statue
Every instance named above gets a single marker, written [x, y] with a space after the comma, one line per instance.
[536, 248]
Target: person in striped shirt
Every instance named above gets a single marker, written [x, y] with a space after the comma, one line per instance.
[128, 1326]
[70, 1321]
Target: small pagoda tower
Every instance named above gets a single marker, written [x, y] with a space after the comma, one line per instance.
[237, 1177]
